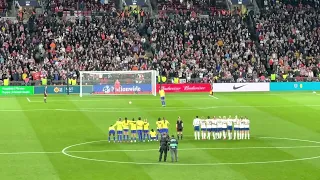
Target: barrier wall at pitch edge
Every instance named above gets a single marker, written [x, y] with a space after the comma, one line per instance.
[295, 86]
[123, 89]
[16, 90]
[169, 88]
[180, 88]
[62, 89]
[241, 87]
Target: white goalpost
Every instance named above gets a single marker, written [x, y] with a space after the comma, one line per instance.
[118, 83]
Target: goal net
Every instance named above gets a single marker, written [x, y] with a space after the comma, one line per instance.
[117, 82]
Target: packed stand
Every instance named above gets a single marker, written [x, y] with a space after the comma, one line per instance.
[50, 47]
[290, 38]
[80, 5]
[3, 7]
[190, 46]
[183, 44]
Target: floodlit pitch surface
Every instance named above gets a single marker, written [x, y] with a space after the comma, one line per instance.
[66, 138]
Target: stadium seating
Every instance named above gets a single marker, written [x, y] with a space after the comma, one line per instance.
[290, 38]
[183, 42]
[82, 5]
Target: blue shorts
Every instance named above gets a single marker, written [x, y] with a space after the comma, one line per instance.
[209, 129]
[133, 131]
[145, 131]
[153, 138]
[230, 128]
[125, 130]
[165, 130]
[203, 129]
[236, 129]
[196, 128]
[162, 98]
[224, 129]
[214, 129]
[247, 129]
[112, 132]
[139, 131]
[119, 132]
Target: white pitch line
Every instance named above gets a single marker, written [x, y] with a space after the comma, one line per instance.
[145, 150]
[154, 109]
[291, 139]
[28, 99]
[214, 97]
[183, 149]
[65, 152]
[111, 99]
[176, 97]
[22, 153]
[192, 149]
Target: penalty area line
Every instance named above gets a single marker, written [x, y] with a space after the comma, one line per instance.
[214, 97]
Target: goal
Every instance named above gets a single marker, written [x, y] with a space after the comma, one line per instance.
[118, 83]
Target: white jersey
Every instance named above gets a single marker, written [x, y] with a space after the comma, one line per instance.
[247, 123]
[209, 123]
[236, 123]
[203, 124]
[224, 123]
[214, 123]
[219, 123]
[229, 122]
[196, 122]
[242, 123]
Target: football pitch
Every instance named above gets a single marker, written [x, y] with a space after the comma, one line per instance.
[66, 138]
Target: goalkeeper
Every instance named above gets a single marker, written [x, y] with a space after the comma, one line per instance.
[162, 96]
[117, 87]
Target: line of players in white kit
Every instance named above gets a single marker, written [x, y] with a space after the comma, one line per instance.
[222, 128]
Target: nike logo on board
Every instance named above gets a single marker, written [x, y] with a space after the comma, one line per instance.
[235, 88]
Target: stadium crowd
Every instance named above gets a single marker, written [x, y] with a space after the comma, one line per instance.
[182, 43]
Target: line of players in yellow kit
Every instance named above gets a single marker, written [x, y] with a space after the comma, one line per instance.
[138, 129]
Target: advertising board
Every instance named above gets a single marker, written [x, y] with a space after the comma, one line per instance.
[124, 89]
[63, 89]
[241, 87]
[16, 90]
[295, 86]
[198, 87]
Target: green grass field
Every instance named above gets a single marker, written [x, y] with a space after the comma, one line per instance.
[284, 144]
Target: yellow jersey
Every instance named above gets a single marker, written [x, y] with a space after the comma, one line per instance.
[125, 125]
[111, 128]
[153, 134]
[162, 93]
[165, 124]
[159, 124]
[140, 125]
[118, 125]
[146, 126]
[133, 125]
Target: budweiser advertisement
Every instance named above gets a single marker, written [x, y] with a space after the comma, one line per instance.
[201, 87]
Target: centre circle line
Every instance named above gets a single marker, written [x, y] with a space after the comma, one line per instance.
[65, 152]
[191, 149]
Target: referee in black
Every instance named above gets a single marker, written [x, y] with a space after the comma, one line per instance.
[179, 127]
[164, 147]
